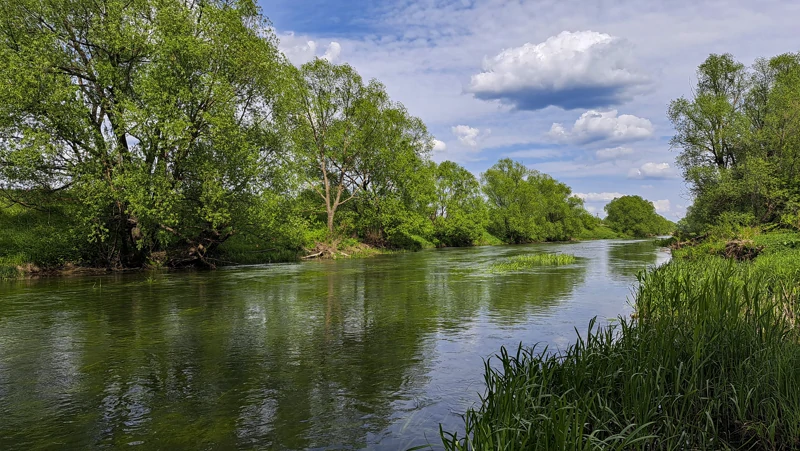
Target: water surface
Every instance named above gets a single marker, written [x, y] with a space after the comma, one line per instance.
[347, 354]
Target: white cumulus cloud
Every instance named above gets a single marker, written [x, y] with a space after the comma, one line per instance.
[439, 146]
[614, 153]
[301, 50]
[598, 197]
[652, 171]
[662, 206]
[466, 135]
[333, 52]
[582, 69]
[594, 125]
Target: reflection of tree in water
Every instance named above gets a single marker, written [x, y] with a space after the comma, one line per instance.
[292, 356]
[460, 290]
[514, 296]
[626, 259]
[296, 362]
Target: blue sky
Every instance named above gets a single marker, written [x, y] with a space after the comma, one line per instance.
[575, 89]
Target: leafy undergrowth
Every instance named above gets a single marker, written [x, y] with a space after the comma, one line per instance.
[709, 361]
[487, 239]
[34, 241]
[522, 262]
[601, 232]
[741, 247]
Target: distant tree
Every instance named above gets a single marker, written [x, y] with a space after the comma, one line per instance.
[635, 216]
[527, 206]
[459, 211]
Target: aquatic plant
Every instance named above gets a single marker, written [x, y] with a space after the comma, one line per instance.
[708, 361]
[521, 262]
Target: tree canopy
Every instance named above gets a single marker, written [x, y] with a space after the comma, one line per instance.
[173, 132]
[152, 119]
[635, 216]
[526, 205]
[739, 142]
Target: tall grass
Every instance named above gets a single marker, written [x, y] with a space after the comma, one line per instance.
[710, 361]
[32, 238]
[521, 262]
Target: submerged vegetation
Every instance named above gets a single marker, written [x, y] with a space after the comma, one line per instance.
[708, 362]
[521, 262]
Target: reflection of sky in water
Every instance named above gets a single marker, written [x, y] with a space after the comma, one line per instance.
[345, 354]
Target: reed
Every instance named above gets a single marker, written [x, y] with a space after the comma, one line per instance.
[708, 361]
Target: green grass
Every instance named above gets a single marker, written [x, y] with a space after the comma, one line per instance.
[521, 262]
[242, 250]
[488, 240]
[32, 239]
[601, 232]
[709, 361]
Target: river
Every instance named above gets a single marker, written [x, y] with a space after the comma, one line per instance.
[348, 354]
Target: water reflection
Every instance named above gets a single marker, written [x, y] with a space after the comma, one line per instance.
[345, 354]
[626, 259]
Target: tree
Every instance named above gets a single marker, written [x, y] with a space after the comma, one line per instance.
[711, 127]
[527, 206]
[459, 212]
[739, 143]
[349, 139]
[151, 119]
[512, 202]
[635, 216]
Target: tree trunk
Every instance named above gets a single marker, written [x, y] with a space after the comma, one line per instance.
[331, 212]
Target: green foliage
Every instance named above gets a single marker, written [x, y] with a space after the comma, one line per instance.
[521, 262]
[738, 141]
[43, 239]
[487, 239]
[459, 211]
[352, 144]
[709, 362]
[152, 119]
[598, 232]
[527, 206]
[635, 216]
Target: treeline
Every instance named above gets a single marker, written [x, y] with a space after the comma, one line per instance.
[739, 141]
[169, 132]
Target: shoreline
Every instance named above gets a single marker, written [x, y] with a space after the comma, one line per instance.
[29, 271]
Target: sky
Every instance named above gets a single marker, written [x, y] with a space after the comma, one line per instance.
[575, 89]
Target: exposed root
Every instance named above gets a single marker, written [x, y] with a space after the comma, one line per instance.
[330, 250]
[741, 250]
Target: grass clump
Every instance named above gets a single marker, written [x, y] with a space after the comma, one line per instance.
[521, 262]
[709, 361]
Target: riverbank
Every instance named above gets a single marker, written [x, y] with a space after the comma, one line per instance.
[708, 361]
[44, 242]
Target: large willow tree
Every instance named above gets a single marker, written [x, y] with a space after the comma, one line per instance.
[352, 144]
[149, 119]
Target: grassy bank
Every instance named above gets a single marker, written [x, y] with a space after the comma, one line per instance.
[709, 361]
[34, 241]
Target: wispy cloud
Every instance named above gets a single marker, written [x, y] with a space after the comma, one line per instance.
[653, 171]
